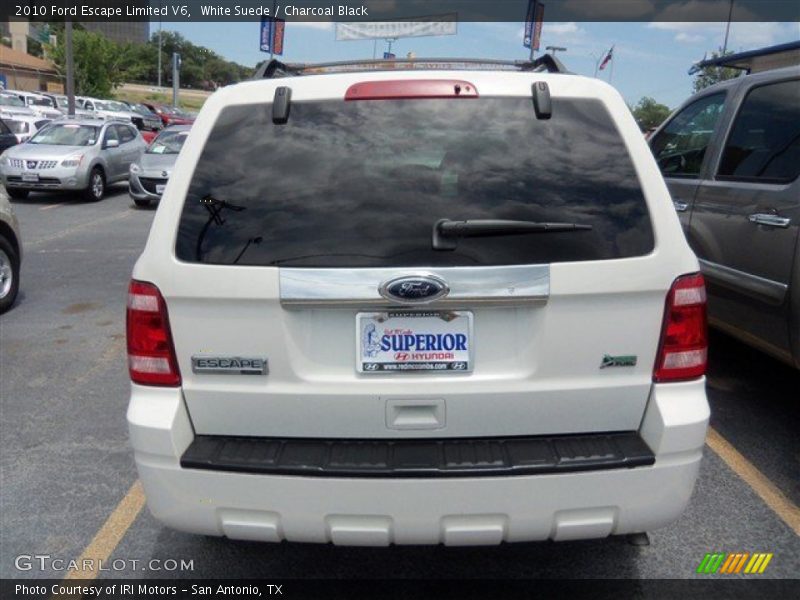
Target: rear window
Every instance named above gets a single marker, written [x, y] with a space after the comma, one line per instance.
[361, 184]
[17, 126]
[40, 101]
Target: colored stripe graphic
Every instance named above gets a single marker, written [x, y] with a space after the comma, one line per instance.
[732, 563]
[727, 566]
[758, 563]
[735, 562]
[711, 562]
[741, 562]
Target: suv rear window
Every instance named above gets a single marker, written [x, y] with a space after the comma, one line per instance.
[361, 184]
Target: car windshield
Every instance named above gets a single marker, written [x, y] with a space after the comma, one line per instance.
[110, 105]
[17, 126]
[10, 101]
[40, 101]
[67, 135]
[384, 173]
[142, 110]
[169, 142]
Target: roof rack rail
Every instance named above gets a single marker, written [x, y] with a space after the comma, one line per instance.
[761, 59]
[274, 68]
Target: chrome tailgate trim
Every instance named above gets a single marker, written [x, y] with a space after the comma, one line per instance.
[519, 284]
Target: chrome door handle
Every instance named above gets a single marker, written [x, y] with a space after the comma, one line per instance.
[770, 220]
[680, 206]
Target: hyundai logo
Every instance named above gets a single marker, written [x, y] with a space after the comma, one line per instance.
[414, 289]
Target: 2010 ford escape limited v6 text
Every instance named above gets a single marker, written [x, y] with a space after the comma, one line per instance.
[417, 306]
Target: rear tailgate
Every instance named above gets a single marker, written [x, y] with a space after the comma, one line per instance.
[289, 232]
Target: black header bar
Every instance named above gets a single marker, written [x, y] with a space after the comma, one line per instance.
[384, 10]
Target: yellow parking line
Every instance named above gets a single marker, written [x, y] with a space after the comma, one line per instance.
[787, 510]
[111, 533]
[48, 207]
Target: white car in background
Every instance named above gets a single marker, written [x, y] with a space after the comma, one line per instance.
[107, 109]
[60, 101]
[24, 127]
[12, 105]
[42, 105]
[417, 306]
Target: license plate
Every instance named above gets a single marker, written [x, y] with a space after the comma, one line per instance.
[406, 341]
[30, 177]
[160, 188]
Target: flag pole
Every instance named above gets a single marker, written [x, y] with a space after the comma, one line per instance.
[272, 30]
[611, 73]
[727, 29]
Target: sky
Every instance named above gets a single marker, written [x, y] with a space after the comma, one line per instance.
[650, 59]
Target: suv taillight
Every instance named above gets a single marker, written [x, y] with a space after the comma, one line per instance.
[151, 354]
[683, 350]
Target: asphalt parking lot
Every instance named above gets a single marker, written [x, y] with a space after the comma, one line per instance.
[69, 483]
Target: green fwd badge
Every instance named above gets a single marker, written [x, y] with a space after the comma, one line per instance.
[625, 360]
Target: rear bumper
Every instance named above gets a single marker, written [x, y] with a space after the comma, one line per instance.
[454, 510]
[137, 190]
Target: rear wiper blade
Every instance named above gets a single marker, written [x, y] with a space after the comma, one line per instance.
[445, 231]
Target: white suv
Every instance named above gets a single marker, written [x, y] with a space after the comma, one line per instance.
[449, 304]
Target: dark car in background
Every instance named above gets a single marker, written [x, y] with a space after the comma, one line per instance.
[147, 122]
[7, 137]
[731, 158]
[10, 253]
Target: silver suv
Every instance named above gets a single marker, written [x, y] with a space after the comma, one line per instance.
[83, 155]
[731, 159]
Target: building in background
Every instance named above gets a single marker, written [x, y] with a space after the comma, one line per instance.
[16, 33]
[137, 32]
[21, 71]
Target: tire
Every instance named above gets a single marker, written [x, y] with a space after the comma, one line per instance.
[9, 275]
[17, 193]
[96, 189]
[141, 202]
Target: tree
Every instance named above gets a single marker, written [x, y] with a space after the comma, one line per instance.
[101, 65]
[97, 62]
[35, 48]
[199, 65]
[649, 113]
[709, 75]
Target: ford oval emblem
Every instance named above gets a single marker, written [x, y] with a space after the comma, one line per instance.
[414, 289]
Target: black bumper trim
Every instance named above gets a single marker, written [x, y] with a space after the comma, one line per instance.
[456, 457]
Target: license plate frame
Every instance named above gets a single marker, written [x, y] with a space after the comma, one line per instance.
[409, 322]
[160, 188]
[30, 177]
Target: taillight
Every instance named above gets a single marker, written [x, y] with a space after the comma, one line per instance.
[683, 350]
[151, 354]
[411, 88]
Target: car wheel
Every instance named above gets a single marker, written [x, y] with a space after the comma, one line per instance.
[97, 186]
[17, 193]
[9, 275]
[141, 202]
